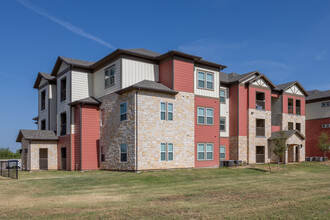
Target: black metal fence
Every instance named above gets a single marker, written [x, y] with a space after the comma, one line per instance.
[9, 168]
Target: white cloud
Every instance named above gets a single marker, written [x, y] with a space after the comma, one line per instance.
[65, 24]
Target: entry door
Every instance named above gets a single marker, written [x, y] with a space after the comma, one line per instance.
[297, 154]
[63, 158]
[260, 154]
[43, 159]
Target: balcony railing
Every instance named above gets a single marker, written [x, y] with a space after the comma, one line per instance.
[260, 104]
[298, 111]
[63, 129]
[290, 109]
[260, 132]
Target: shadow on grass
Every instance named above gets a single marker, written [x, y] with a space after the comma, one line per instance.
[258, 169]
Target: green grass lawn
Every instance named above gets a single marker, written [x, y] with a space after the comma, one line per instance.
[302, 191]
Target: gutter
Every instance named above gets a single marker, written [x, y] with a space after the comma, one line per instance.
[136, 130]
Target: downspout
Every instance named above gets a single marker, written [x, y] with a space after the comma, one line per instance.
[238, 121]
[70, 115]
[80, 135]
[49, 88]
[136, 130]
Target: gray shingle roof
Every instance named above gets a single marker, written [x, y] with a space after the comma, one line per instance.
[41, 135]
[317, 94]
[143, 51]
[88, 101]
[77, 62]
[47, 76]
[234, 77]
[149, 86]
[287, 134]
[284, 85]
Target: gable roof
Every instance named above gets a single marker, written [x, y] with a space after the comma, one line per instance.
[265, 78]
[285, 86]
[41, 75]
[40, 135]
[148, 85]
[72, 62]
[287, 134]
[143, 51]
[232, 78]
[317, 95]
[87, 101]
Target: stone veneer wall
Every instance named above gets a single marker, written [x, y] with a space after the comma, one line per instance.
[152, 131]
[115, 132]
[253, 140]
[296, 119]
[34, 154]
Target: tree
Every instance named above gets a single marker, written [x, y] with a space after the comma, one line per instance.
[5, 153]
[324, 142]
[279, 146]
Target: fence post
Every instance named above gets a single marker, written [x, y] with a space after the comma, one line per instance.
[16, 169]
[8, 169]
[1, 168]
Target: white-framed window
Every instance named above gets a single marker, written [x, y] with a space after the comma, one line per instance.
[123, 153]
[123, 111]
[109, 76]
[205, 116]
[326, 126]
[222, 124]
[166, 111]
[102, 154]
[166, 151]
[209, 81]
[222, 152]
[325, 104]
[222, 96]
[204, 151]
[205, 80]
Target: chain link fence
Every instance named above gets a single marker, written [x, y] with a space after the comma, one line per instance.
[9, 168]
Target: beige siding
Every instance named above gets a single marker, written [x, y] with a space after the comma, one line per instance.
[81, 87]
[98, 80]
[43, 115]
[206, 92]
[63, 106]
[135, 71]
[315, 111]
[224, 112]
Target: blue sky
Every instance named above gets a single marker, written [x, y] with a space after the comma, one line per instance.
[286, 40]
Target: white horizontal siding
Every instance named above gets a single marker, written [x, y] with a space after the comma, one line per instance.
[315, 111]
[224, 112]
[81, 87]
[63, 106]
[206, 92]
[98, 80]
[135, 71]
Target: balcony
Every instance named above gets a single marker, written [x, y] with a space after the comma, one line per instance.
[260, 104]
[298, 111]
[290, 109]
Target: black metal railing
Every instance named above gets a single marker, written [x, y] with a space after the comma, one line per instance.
[9, 169]
[298, 111]
[290, 109]
[260, 104]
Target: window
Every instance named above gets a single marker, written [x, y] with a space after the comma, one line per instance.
[123, 153]
[123, 111]
[203, 118]
[260, 100]
[222, 124]
[298, 127]
[109, 76]
[43, 100]
[163, 111]
[43, 125]
[63, 89]
[260, 126]
[222, 96]
[169, 111]
[298, 107]
[222, 152]
[205, 80]
[209, 81]
[290, 106]
[201, 80]
[102, 153]
[204, 151]
[166, 152]
[325, 104]
[63, 124]
[290, 125]
[326, 126]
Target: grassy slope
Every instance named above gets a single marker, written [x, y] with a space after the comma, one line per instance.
[302, 192]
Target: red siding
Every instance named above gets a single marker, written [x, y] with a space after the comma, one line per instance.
[64, 141]
[90, 136]
[225, 142]
[243, 111]
[183, 75]
[207, 133]
[166, 72]
[76, 158]
[313, 131]
[285, 104]
[233, 108]
[252, 98]
[276, 128]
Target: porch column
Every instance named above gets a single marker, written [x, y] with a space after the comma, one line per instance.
[286, 154]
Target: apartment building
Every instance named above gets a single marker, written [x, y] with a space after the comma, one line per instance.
[317, 120]
[136, 109]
